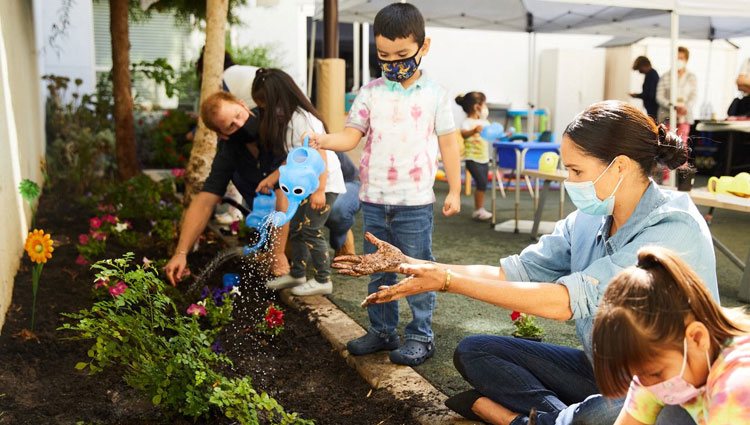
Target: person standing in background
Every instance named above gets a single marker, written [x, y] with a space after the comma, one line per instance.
[687, 91]
[648, 90]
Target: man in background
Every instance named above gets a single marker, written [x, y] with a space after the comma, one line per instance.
[650, 82]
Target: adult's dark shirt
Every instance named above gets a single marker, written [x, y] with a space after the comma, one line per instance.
[648, 93]
[235, 162]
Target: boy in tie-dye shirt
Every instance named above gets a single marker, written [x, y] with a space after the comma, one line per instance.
[406, 119]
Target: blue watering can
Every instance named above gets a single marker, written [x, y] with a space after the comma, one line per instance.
[263, 205]
[492, 132]
[298, 179]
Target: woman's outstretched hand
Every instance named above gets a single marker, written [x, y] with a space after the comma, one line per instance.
[422, 278]
[386, 258]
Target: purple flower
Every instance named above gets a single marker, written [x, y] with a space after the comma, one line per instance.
[216, 347]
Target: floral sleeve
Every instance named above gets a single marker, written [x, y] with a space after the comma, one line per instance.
[728, 396]
[642, 404]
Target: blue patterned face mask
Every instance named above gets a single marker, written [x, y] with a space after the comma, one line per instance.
[583, 195]
[401, 69]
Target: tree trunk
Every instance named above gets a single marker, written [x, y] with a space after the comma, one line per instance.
[127, 164]
[204, 145]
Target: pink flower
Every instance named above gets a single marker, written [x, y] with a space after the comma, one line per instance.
[95, 222]
[118, 289]
[235, 227]
[106, 208]
[146, 262]
[178, 172]
[109, 218]
[100, 236]
[83, 239]
[196, 310]
[515, 316]
[103, 282]
[81, 260]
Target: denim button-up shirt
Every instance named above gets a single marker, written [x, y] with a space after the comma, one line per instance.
[581, 254]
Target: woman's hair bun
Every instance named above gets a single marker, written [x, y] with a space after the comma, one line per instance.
[671, 150]
[460, 99]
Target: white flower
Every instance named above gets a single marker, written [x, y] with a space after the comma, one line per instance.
[119, 227]
[202, 303]
[146, 262]
[235, 291]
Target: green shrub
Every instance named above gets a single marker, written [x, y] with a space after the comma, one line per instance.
[163, 353]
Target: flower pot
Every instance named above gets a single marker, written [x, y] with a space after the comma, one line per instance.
[529, 338]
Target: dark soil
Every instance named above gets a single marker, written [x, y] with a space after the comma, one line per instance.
[39, 385]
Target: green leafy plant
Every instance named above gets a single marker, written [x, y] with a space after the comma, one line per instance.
[165, 354]
[526, 326]
[30, 192]
[79, 134]
[261, 56]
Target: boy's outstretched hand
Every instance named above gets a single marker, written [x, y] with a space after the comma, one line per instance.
[387, 258]
[452, 204]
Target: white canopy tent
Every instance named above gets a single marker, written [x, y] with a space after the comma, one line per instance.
[701, 19]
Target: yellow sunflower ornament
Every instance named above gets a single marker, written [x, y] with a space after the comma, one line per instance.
[39, 246]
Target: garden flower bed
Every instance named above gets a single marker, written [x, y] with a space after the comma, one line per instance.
[39, 382]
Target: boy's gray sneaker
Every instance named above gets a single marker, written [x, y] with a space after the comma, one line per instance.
[372, 343]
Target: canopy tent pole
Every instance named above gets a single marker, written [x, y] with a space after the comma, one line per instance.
[674, 28]
[707, 109]
[532, 77]
[365, 53]
[311, 59]
[355, 55]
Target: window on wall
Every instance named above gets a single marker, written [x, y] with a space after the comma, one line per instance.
[161, 36]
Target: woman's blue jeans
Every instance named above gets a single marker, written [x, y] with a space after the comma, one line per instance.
[558, 381]
[409, 228]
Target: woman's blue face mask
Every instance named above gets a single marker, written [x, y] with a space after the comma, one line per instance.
[401, 69]
[583, 195]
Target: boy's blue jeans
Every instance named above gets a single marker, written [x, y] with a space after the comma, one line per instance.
[409, 228]
[558, 381]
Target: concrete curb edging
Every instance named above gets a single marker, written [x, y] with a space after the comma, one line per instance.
[401, 381]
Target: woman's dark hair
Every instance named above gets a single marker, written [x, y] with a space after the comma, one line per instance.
[646, 309]
[280, 97]
[399, 20]
[611, 128]
[470, 99]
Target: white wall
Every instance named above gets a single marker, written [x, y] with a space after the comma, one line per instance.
[75, 56]
[21, 135]
[282, 24]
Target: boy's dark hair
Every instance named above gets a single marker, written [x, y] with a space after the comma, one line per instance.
[399, 20]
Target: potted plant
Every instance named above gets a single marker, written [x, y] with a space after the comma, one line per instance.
[526, 327]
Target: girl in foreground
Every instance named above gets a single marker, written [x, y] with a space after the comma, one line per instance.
[661, 338]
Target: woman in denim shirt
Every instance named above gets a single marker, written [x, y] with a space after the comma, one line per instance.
[609, 150]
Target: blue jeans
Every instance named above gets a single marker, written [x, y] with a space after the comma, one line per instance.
[409, 228]
[342, 214]
[557, 381]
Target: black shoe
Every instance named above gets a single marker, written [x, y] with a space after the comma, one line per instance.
[371, 343]
[461, 403]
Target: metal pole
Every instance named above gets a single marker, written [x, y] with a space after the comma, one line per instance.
[532, 82]
[311, 58]
[356, 62]
[365, 53]
[331, 29]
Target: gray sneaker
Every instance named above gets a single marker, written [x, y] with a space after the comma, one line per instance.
[313, 287]
[283, 282]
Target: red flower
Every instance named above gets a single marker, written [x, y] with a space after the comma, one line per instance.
[81, 260]
[95, 222]
[168, 139]
[83, 239]
[103, 282]
[515, 316]
[118, 289]
[196, 310]
[178, 172]
[109, 218]
[274, 317]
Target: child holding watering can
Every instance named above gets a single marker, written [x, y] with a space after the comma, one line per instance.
[285, 116]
